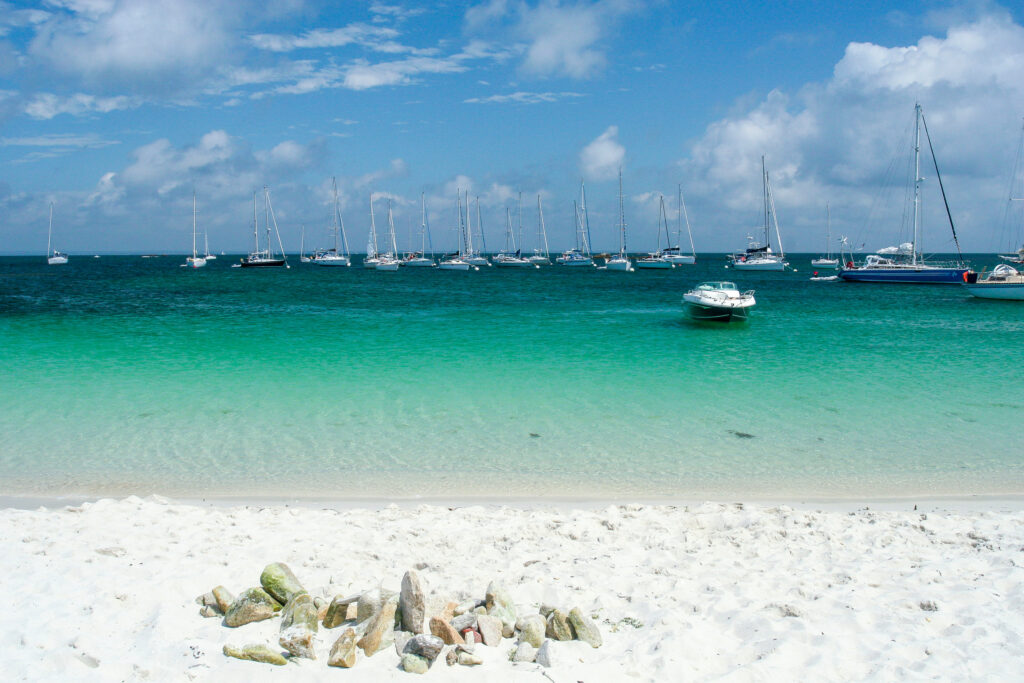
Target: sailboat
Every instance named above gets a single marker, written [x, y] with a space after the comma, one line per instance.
[206, 247]
[195, 260]
[264, 258]
[471, 255]
[760, 256]
[911, 267]
[673, 254]
[1017, 236]
[372, 257]
[456, 261]
[541, 258]
[511, 256]
[580, 254]
[388, 261]
[53, 257]
[620, 261]
[419, 259]
[657, 259]
[338, 255]
[826, 261]
[302, 245]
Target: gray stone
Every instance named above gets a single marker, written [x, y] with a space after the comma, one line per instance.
[224, 598]
[465, 607]
[464, 621]
[544, 657]
[425, 646]
[546, 609]
[470, 659]
[207, 599]
[585, 629]
[558, 626]
[369, 603]
[490, 629]
[252, 605]
[255, 653]
[380, 631]
[414, 664]
[451, 657]
[465, 647]
[508, 628]
[337, 611]
[343, 652]
[412, 603]
[532, 629]
[278, 580]
[524, 652]
[299, 626]
[499, 603]
[207, 611]
[401, 640]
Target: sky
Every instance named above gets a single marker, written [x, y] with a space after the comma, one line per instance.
[116, 111]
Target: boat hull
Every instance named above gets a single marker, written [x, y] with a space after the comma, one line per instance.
[936, 276]
[577, 263]
[478, 261]
[654, 265]
[512, 263]
[387, 265]
[263, 263]
[57, 260]
[1007, 291]
[758, 265]
[418, 263]
[195, 262]
[619, 264]
[825, 264]
[462, 265]
[681, 260]
[333, 261]
[706, 313]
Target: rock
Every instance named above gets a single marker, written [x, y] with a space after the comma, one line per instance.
[465, 607]
[223, 598]
[544, 657]
[469, 659]
[255, 653]
[490, 629]
[299, 626]
[414, 664]
[343, 652]
[443, 630]
[464, 621]
[278, 580]
[451, 657]
[465, 647]
[252, 605]
[401, 640]
[508, 628]
[471, 635]
[546, 609]
[585, 628]
[379, 632]
[207, 611]
[448, 612]
[321, 605]
[532, 630]
[524, 652]
[428, 647]
[499, 604]
[337, 611]
[207, 600]
[369, 604]
[558, 626]
[412, 603]
[479, 609]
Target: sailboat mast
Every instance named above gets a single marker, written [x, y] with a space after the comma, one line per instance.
[373, 229]
[391, 231]
[49, 232]
[423, 224]
[682, 205]
[622, 220]
[266, 216]
[585, 225]
[828, 232]
[255, 227]
[193, 224]
[479, 225]
[764, 182]
[469, 228]
[663, 219]
[917, 180]
[508, 230]
[543, 230]
[461, 238]
[520, 222]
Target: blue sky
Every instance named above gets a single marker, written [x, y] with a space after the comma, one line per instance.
[116, 110]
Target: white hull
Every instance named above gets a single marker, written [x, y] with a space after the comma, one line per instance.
[540, 260]
[759, 265]
[681, 260]
[454, 265]
[419, 263]
[825, 263]
[718, 301]
[513, 263]
[387, 265]
[654, 264]
[332, 261]
[208, 257]
[304, 259]
[371, 263]
[477, 261]
[577, 262]
[195, 262]
[1006, 292]
[622, 264]
[57, 260]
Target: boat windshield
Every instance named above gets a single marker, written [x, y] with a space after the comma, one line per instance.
[716, 285]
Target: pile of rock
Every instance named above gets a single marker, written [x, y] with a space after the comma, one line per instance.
[377, 619]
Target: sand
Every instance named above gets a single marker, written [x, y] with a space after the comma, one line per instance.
[105, 590]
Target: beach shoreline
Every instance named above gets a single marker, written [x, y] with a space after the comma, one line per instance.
[825, 590]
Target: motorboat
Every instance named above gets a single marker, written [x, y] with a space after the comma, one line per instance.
[1004, 282]
[718, 301]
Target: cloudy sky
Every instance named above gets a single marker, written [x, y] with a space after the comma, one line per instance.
[115, 110]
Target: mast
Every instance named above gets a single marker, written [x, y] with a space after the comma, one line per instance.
[828, 232]
[469, 229]
[373, 231]
[423, 224]
[302, 241]
[917, 181]
[682, 205]
[461, 239]
[266, 215]
[585, 224]
[764, 182]
[622, 220]
[193, 224]
[520, 222]
[663, 219]
[543, 230]
[479, 223]
[775, 217]
[577, 228]
[277, 232]
[255, 228]
[391, 231]
[509, 236]
[49, 232]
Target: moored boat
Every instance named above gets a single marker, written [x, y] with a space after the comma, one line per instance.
[718, 301]
[1004, 282]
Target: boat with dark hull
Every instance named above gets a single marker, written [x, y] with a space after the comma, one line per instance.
[718, 302]
[264, 258]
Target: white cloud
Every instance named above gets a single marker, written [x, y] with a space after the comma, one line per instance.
[106, 192]
[602, 157]
[49, 105]
[357, 34]
[59, 140]
[524, 98]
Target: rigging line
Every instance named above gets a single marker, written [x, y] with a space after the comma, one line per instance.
[942, 188]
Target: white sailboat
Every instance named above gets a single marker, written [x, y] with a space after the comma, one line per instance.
[471, 255]
[657, 260]
[302, 245]
[673, 254]
[456, 261]
[206, 247]
[539, 257]
[195, 260]
[760, 256]
[389, 260]
[510, 256]
[264, 258]
[620, 261]
[53, 257]
[579, 256]
[372, 257]
[419, 259]
[826, 261]
[338, 255]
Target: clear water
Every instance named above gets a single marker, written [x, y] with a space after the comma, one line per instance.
[127, 375]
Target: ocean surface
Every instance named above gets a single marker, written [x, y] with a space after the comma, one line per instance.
[129, 375]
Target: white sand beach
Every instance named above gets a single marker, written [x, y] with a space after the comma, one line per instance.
[106, 590]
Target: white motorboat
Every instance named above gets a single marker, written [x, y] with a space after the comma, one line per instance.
[718, 301]
[195, 260]
[53, 257]
[758, 256]
[1004, 282]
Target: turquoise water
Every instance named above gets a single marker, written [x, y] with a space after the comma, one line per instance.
[127, 375]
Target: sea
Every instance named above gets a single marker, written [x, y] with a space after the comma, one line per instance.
[124, 375]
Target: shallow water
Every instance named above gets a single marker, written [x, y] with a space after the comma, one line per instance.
[128, 375]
